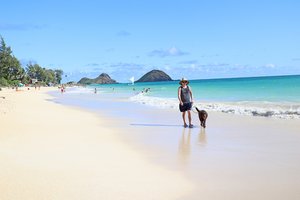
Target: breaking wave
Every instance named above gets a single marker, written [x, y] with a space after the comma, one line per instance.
[284, 110]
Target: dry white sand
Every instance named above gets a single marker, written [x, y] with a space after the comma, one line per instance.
[49, 151]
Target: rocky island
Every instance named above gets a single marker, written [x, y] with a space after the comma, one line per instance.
[155, 76]
[101, 79]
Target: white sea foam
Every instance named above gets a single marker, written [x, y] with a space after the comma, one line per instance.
[285, 110]
[81, 90]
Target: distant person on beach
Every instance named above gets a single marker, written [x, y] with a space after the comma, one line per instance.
[62, 89]
[185, 97]
[95, 91]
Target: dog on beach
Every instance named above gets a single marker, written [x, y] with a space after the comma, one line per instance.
[202, 117]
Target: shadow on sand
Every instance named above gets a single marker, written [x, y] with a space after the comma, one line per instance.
[168, 125]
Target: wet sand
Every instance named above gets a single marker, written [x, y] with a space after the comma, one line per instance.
[235, 157]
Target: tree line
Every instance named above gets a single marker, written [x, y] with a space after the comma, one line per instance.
[12, 73]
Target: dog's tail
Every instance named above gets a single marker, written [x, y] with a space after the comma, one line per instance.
[197, 109]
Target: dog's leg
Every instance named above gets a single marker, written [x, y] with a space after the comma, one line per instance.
[204, 121]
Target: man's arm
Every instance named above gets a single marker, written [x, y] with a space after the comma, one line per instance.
[179, 96]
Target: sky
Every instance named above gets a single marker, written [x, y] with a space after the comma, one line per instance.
[196, 39]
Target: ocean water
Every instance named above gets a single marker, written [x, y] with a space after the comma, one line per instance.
[276, 96]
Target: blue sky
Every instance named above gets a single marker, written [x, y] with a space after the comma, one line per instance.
[197, 39]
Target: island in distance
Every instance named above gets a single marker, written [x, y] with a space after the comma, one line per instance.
[101, 79]
[152, 76]
[155, 76]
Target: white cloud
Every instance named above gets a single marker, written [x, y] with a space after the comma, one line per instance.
[193, 66]
[93, 64]
[167, 67]
[189, 62]
[270, 66]
[173, 51]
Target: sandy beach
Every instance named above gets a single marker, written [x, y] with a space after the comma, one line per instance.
[52, 151]
[49, 151]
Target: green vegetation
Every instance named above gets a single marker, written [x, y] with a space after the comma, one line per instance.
[12, 73]
[101, 79]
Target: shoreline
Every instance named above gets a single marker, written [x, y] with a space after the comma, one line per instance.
[257, 149]
[236, 157]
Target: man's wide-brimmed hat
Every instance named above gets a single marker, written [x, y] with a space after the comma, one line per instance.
[183, 80]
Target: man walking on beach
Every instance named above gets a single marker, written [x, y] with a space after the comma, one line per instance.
[185, 97]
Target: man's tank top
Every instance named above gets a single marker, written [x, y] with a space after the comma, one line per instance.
[185, 95]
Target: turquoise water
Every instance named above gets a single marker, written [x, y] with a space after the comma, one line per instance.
[276, 96]
[273, 89]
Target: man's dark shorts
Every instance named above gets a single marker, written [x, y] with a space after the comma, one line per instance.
[185, 107]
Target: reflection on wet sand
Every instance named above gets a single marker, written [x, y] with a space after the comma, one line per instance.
[185, 145]
[202, 137]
